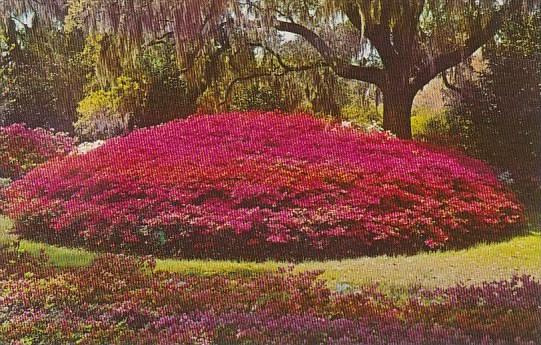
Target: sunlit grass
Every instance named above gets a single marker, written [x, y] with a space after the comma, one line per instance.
[59, 256]
[485, 262]
[519, 255]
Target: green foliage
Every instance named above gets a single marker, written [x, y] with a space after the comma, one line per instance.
[363, 115]
[4, 182]
[256, 97]
[431, 126]
[339, 38]
[162, 92]
[167, 92]
[105, 113]
[42, 74]
[497, 117]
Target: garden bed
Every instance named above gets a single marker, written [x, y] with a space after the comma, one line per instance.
[118, 299]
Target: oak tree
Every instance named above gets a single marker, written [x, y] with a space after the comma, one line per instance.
[397, 45]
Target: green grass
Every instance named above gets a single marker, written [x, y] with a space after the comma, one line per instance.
[485, 262]
[519, 255]
[59, 256]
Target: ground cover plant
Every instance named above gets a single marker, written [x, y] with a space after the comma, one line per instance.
[260, 185]
[22, 148]
[118, 299]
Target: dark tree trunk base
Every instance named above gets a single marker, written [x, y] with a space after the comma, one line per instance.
[397, 113]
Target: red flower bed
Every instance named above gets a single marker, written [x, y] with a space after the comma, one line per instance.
[22, 148]
[261, 185]
[121, 300]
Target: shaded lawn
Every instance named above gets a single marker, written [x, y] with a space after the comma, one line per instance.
[484, 262]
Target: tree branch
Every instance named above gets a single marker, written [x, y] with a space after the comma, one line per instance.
[280, 60]
[368, 74]
[378, 34]
[460, 91]
[448, 84]
[160, 39]
[431, 69]
[288, 69]
[317, 42]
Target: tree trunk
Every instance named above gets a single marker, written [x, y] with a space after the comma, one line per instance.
[397, 112]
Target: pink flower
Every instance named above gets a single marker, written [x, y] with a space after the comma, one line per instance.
[211, 184]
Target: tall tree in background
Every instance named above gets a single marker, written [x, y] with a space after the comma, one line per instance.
[412, 41]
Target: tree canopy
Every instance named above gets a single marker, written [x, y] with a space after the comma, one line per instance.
[399, 46]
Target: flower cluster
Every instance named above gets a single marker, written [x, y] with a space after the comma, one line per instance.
[260, 185]
[122, 300]
[22, 148]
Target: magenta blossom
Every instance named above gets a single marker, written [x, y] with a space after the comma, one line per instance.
[259, 185]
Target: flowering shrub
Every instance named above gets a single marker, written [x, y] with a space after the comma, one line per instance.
[262, 185]
[22, 148]
[121, 300]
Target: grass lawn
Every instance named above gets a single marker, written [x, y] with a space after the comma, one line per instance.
[519, 255]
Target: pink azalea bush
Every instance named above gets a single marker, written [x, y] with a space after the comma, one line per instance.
[122, 300]
[22, 148]
[259, 185]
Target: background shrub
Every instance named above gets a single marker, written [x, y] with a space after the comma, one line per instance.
[42, 74]
[22, 148]
[432, 126]
[257, 97]
[106, 113]
[496, 116]
[261, 185]
[363, 115]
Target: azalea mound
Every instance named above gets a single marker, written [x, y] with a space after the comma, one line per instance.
[262, 185]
